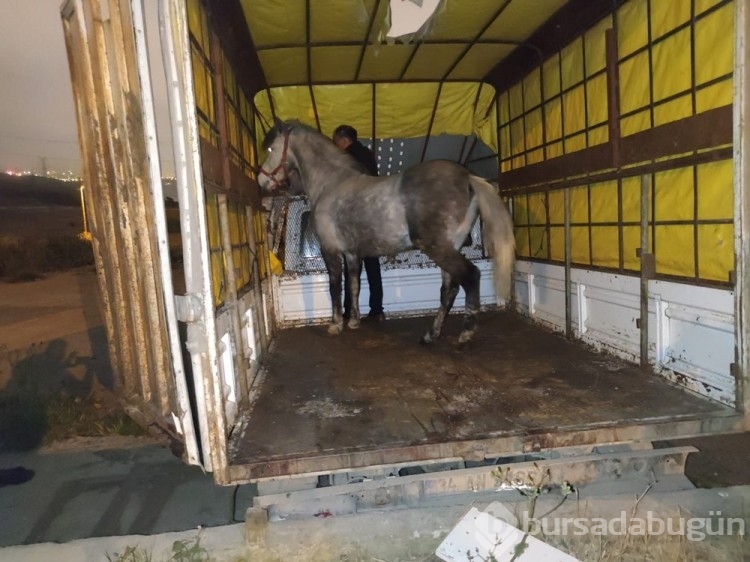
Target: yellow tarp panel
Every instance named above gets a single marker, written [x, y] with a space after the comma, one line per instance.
[604, 202]
[403, 110]
[479, 61]
[202, 78]
[579, 205]
[537, 208]
[330, 63]
[433, 60]
[574, 117]
[596, 92]
[673, 110]
[674, 250]
[532, 89]
[579, 239]
[453, 21]
[551, 72]
[715, 251]
[603, 240]
[285, 66]
[538, 242]
[674, 195]
[341, 20]
[634, 83]
[240, 249]
[557, 243]
[671, 64]
[631, 200]
[262, 252]
[715, 191]
[384, 62]
[276, 22]
[714, 44]
[214, 243]
[556, 207]
[666, 16]
[280, 31]
[553, 119]
[632, 20]
[571, 67]
[595, 45]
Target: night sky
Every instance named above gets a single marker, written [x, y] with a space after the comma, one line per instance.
[37, 115]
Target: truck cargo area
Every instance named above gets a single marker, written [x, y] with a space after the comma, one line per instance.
[375, 396]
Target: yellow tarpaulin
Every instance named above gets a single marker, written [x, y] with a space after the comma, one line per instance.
[401, 110]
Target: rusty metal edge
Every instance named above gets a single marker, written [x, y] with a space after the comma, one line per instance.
[477, 449]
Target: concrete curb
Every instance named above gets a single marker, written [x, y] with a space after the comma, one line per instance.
[223, 543]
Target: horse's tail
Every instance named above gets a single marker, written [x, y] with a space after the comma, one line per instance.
[497, 232]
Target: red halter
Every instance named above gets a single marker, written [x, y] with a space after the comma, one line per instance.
[281, 166]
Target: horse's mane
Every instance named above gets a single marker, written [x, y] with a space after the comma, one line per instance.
[321, 146]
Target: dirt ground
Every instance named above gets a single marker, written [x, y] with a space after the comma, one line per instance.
[40, 221]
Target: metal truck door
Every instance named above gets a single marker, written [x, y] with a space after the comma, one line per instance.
[115, 114]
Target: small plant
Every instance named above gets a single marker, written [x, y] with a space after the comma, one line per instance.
[189, 551]
[130, 554]
[182, 551]
[531, 485]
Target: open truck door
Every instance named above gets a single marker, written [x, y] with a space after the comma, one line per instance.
[116, 126]
[177, 358]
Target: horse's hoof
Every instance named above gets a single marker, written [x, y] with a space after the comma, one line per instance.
[353, 324]
[465, 337]
[335, 329]
[427, 339]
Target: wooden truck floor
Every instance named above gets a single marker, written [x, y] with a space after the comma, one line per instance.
[375, 396]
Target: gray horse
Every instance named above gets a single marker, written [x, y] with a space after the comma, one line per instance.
[431, 206]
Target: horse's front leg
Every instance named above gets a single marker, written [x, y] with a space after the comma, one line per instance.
[334, 267]
[354, 269]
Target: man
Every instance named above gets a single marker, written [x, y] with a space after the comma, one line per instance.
[345, 137]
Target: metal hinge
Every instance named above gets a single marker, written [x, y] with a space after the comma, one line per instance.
[189, 308]
[648, 263]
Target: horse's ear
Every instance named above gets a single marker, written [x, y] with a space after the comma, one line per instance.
[278, 123]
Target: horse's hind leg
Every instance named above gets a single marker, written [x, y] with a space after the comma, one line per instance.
[470, 283]
[448, 293]
[465, 273]
[334, 266]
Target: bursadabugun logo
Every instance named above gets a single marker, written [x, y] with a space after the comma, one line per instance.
[494, 525]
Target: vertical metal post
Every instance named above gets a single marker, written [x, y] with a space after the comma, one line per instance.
[647, 269]
[741, 367]
[613, 95]
[568, 260]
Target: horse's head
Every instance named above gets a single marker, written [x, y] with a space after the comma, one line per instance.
[278, 171]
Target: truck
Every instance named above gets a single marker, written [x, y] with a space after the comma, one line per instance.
[614, 130]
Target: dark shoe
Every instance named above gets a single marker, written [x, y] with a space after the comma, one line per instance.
[15, 476]
[376, 316]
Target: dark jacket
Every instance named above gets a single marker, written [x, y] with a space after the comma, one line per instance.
[364, 156]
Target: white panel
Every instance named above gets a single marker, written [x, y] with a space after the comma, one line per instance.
[699, 324]
[691, 329]
[226, 367]
[408, 291]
